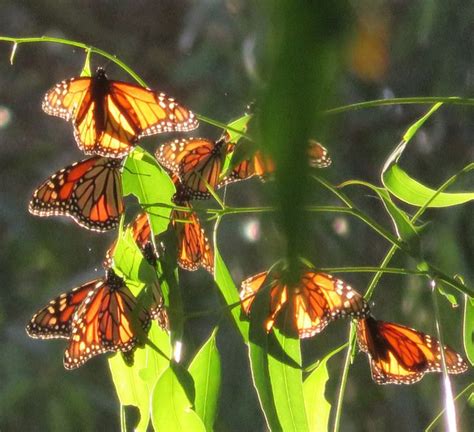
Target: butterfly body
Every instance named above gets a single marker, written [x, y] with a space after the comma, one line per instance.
[110, 116]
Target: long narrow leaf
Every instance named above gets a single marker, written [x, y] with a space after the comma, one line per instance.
[206, 372]
[468, 333]
[314, 386]
[287, 385]
[229, 292]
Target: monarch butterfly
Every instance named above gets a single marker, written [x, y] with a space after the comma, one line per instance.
[196, 161]
[401, 355]
[89, 191]
[54, 320]
[105, 321]
[261, 166]
[141, 233]
[312, 303]
[194, 249]
[110, 116]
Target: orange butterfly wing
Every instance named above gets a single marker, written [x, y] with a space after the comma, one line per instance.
[401, 355]
[194, 249]
[318, 155]
[89, 191]
[54, 320]
[110, 116]
[196, 161]
[105, 322]
[315, 301]
[141, 232]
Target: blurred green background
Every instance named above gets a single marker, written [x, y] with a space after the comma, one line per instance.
[210, 55]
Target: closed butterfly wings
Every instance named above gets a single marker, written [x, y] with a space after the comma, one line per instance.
[194, 249]
[110, 116]
[89, 191]
[401, 355]
[312, 303]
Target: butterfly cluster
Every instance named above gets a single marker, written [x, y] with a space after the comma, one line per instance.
[109, 117]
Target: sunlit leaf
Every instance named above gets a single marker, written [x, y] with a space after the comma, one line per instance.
[314, 387]
[206, 372]
[144, 178]
[172, 409]
[86, 69]
[134, 384]
[469, 328]
[229, 292]
[237, 125]
[258, 353]
[409, 190]
[287, 384]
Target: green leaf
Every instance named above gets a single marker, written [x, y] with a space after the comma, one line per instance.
[314, 386]
[409, 190]
[172, 409]
[144, 178]
[258, 353]
[229, 292]
[134, 385]
[241, 125]
[468, 334]
[406, 188]
[404, 228]
[287, 385]
[206, 372]
[86, 69]
[413, 129]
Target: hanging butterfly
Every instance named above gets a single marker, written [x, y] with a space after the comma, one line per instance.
[401, 355]
[110, 116]
[262, 166]
[107, 320]
[196, 161]
[194, 249]
[89, 191]
[141, 232]
[312, 303]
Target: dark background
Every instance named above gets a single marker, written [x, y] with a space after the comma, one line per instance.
[208, 55]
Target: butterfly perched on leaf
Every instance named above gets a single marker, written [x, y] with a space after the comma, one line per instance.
[110, 116]
[197, 162]
[141, 233]
[89, 191]
[402, 355]
[310, 304]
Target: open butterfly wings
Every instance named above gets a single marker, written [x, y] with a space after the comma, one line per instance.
[315, 301]
[55, 319]
[401, 355]
[107, 320]
[110, 116]
[89, 191]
